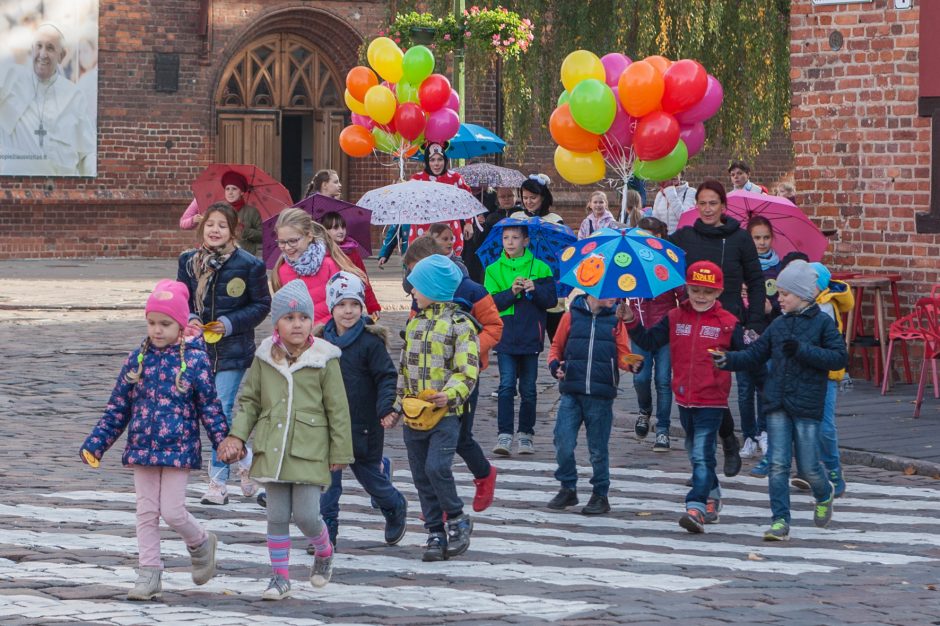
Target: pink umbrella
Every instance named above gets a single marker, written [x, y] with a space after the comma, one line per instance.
[264, 193]
[793, 231]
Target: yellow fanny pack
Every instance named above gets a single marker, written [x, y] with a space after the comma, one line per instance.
[420, 414]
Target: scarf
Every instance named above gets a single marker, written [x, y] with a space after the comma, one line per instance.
[346, 339]
[203, 265]
[501, 274]
[310, 260]
[768, 260]
[238, 204]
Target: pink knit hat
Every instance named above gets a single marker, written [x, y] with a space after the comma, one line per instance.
[170, 298]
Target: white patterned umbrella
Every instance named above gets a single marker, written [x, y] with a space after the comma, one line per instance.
[420, 202]
[480, 174]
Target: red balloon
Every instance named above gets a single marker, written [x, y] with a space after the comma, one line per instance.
[410, 120]
[685, 83]
[434, 93]
[656, 136]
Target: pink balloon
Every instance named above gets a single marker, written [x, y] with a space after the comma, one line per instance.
[706, 107]
[453, 103]
[443, 124]
[363, 120]
[694, 137]
[392, 86]
[613, 150]
[614, 65]
[622, 128]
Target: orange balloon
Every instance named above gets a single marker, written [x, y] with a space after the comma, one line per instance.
[359, 80]
[567, 134]
[640, 89]
[409, 152]
[661, 63]
[356, 141]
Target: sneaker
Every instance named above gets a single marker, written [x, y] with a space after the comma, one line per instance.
[148, 586]
[503, 445]
[642, 426]
[396, 522]
[494, 394]
[693, 521]
[262, 499]
[525, 444]
[563, 499]
[459, 530]
[732, 457]
[762, 469]
[801, 483]
[822, 514]
[712, 508]
[278, 588]
[249, 487]
[597, 505]
[662, 443]
[749, 448]
[838, 483]
[779, 531]
[436, 547]
[762, 442]
[485, 487]
[322, 570]
[215, 494]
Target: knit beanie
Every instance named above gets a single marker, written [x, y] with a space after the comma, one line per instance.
[824, 275]
[436, 277]
[291, 298]
[232, 177]
[170, 298]
[342, 286]
[799, 278]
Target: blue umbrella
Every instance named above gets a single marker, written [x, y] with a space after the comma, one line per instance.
[546, 241]
[622, 263]
[471, 141]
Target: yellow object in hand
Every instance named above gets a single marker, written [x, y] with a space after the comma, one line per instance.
[211, 336]
[90, 458]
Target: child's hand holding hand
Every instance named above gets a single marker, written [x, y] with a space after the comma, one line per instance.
[557, 368]
[231, 449]
[719, 358]
[438, 399]
[338, 467]
[390, 420]
[625, 312]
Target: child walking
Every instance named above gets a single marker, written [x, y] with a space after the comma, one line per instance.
[335, 225]
[803, 345]
[589, 342]
[165, 389]
[370, 379]
[440, 365]
[598, 215]
[295, 404]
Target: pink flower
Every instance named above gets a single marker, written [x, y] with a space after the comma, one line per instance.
[512, 40]
[496, 37]
[505, 42]
[397, 40]
[467, 34]
[447, 37]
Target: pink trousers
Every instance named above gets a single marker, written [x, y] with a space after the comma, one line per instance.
[161, 491]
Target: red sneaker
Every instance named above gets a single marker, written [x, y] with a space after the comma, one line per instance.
[483, 497]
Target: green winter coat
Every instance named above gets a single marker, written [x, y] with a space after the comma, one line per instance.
[298, 414]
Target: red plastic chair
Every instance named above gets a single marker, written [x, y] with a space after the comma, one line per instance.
[908, 328]
[928, 311]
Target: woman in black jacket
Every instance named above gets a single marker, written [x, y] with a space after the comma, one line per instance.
[228, 297]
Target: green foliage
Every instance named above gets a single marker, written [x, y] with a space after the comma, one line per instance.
[497, 30]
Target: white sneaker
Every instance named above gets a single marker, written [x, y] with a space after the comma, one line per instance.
[525, 444]
[749, 448]
[503, 445]
[215, 494]
[762, 442]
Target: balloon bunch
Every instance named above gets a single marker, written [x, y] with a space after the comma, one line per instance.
[641, 118]
[410, 106]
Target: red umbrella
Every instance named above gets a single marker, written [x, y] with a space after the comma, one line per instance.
[358, 227]
[264, 193]
[792, 230]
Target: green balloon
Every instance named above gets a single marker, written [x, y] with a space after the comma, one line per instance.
[563, 98]
[417, 64]
[384, 141]
[406, 92]
[664, 168]
[593, 105]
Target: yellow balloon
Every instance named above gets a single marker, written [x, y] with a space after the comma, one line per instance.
[580, 65]
[580, 168]
[354, 105]
[377, 44]
[385, 57]
[380, 104]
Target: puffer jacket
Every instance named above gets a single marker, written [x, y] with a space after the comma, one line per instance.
[796, 385]
[524, 314]
[730, 247]
[162, 422]
[238, 296]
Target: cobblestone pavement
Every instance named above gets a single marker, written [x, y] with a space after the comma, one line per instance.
[67, 547]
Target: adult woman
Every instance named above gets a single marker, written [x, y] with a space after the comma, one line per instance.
[228, 291]
[325, 182]
[720, 239]
[249, 220]
[437, 170]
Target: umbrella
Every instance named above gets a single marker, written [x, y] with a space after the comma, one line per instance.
[358, 228]
[793, 231]
[489, 175]
[546, 241]
[471, 141]
[623, 263]
[420, 202]
[264, 193]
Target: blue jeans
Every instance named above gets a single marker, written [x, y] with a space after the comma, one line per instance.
[597, 415]
[753, 422]
[828, 437]
[430, 457]
[226, 387]
[371, 478]
[467, 447]
[660, 363]
[701, 439]
[784, 432]
[521, 370]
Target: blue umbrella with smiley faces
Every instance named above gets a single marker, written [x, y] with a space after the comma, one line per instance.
[623, 263]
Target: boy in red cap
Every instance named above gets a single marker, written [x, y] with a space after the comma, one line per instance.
[696, 327]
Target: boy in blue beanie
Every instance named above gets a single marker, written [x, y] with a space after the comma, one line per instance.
[439, 365]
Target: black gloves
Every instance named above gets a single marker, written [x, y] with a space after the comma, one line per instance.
[790, 347]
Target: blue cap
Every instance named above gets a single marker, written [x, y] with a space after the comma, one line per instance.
[824, 275]
[436, 277]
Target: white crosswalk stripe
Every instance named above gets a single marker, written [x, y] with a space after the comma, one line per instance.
[516, 540]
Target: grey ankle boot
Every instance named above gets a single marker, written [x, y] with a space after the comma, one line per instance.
[148, 585]
[203, 559]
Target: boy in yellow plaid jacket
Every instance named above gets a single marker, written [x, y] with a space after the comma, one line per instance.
[440, 366]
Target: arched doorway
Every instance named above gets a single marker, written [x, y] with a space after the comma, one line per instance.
[280, 107]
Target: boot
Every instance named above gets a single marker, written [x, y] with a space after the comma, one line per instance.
[396, 522]
[148, 585]
[203, 559]
[732, 449]
[483, 497]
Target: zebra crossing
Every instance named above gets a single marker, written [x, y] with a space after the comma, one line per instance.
[524, 560]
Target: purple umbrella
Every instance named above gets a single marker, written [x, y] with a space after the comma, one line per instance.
[358, 226]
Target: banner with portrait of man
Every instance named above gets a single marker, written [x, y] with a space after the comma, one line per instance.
[48, 87]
